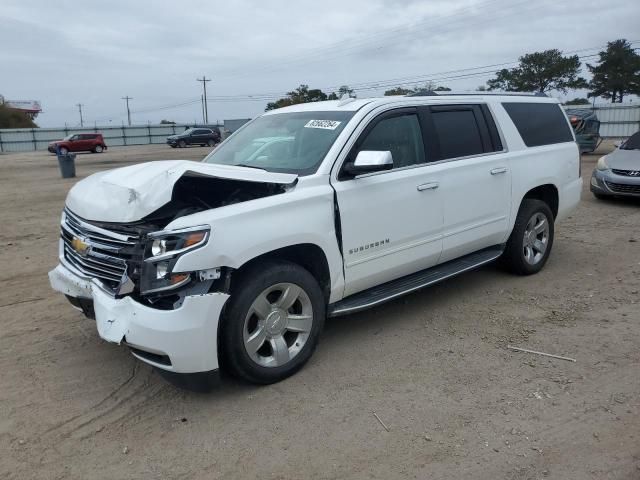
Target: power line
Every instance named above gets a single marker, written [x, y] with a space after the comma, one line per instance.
[126, 99]
[407, 81]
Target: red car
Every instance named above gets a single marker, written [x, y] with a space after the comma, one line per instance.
[79, 142]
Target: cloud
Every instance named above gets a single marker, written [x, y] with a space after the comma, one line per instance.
[71, 51]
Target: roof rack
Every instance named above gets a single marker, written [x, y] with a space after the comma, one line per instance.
[431, 93]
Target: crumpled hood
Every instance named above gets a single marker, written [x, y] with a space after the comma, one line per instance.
[624, 159]
[130, 193]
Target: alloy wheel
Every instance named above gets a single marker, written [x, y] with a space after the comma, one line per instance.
[536, 238]
[278, 325]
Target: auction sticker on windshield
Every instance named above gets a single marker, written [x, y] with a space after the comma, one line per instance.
[324, 124]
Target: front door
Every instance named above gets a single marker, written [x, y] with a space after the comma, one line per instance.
[391, 221]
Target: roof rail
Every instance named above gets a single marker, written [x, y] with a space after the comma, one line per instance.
[430, 93]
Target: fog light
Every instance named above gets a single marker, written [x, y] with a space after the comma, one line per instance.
[161, 270]
[594, 182]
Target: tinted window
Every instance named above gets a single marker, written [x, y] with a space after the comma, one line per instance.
[632, 143]
[458, 133]
[201, 132]
[399, 135]
[539, 123]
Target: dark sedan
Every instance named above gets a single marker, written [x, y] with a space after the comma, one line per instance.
[618, 173]
[195, 136]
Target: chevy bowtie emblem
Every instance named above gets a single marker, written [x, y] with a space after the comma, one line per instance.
[80, 246]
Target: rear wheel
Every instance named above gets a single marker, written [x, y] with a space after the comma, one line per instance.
[530, 243]
[272, 323]
[98, 149]
[211, 143]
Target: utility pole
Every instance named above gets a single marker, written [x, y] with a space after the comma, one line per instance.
[126, 99]
[80, 105]
[202, 105]
[204, 81]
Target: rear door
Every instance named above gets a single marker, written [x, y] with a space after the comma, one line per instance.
[391, 221]
[476, 180]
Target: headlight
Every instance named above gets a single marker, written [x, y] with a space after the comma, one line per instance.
[161, 254]
[602, 163]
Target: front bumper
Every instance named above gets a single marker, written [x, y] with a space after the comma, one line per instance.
[183, 340]
[605, 182]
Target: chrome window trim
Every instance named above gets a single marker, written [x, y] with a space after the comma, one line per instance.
[364, 123]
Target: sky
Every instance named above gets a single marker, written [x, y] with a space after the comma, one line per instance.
[67, 52]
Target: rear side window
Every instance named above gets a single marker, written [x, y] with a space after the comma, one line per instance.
[458, 133]
[539, 123]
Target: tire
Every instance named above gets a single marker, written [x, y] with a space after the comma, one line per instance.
[64, 150]
[211, 143]
[97, 149]
[259, 347]
[182, 144]
[172, 146]
[531, 240]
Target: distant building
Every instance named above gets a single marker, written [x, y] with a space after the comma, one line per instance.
[29, 107]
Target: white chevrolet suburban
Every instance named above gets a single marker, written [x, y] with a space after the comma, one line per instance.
[313, 210]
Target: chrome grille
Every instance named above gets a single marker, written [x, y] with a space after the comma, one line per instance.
[623, 188]
[94, 251]
[626, 173]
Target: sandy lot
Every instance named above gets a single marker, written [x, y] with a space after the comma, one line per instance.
[433, 366]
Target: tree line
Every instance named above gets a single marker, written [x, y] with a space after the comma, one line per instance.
[615, 75]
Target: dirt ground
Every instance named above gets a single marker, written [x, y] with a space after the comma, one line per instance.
[434, 366]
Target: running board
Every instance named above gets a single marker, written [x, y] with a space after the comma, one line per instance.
[401, 286]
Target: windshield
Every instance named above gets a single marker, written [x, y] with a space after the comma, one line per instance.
[632, 143]
[283, 142]
[68, 137]
[188, 131]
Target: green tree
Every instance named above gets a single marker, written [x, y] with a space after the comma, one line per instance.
[540, 72]
[344, 90]
[302, 94]
[398, 91]
[442, 89]
[577, 101]
[12, 118]
[617, 73]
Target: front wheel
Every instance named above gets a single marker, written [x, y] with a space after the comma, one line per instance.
[272, 323]
[182, 144]
[64, 150]
[531, 240]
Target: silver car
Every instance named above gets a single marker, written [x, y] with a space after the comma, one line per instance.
[619, 172]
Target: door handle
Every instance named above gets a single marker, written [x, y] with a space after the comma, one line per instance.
[428, 186]
[499, 170]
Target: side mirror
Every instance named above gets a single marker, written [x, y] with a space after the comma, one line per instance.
[368, 161]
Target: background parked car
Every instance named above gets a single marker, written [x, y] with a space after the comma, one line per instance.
[195, 136]
[618, 173]
[79, 142]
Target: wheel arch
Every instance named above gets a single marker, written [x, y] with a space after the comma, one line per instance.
[308, 255]
[547, 193]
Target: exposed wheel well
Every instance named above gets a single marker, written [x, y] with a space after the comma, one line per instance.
[548, 194]
[307, 255]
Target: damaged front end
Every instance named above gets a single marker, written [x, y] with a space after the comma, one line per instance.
[137, 258]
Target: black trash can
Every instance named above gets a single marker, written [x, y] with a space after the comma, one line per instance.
[67, 164]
